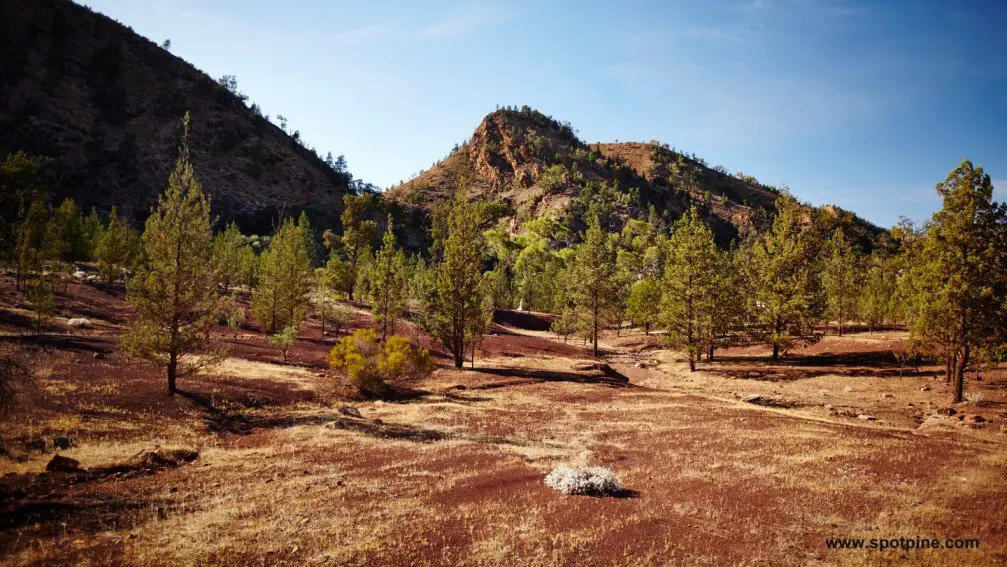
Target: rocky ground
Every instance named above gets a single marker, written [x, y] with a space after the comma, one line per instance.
[741, 462]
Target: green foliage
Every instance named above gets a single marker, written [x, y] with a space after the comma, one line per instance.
[877, 296]
[284, 279]
[229, 249]
[174, 291]
[40, 296]
[284, 339]
[455, 312]
[595, 287]
[388, 290]
[954, 276]
[368, 364]
[841, 278]
[643, 306]
[691, 277]
[117, 248]
[358, 232]
[236, 317]
[782, 277]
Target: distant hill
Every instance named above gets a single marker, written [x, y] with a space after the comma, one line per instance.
[106, 104]
[537, 166]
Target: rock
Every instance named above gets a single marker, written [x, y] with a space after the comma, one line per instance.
[975, 419]
[59, 463]
[865, 417]
[166, 458]
[887, 395]
[99, 355]
[350, 411]
[61, 442]
[320, 375]
[460, 387]
[828, 407]
[948, 411]
[752, 398]
[847, 389]
[925, 389]
[35, 445]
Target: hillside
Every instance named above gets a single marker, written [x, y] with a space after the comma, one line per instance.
[538, 166]
[106, 104]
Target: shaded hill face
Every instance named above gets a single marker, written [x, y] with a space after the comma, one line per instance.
[107, 105]
[538, 166]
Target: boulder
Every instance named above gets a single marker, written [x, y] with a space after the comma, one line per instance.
[948, 411]
[887, 395]
[925, 389]
[866, 417]
[752, 398]
[61, 442]
[59, 463]
[350, 411]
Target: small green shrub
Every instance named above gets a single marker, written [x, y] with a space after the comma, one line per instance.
[369, 365]
[284, 340]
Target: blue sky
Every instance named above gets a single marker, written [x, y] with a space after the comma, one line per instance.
[861, 104]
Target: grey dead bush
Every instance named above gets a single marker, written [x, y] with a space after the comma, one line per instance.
[582, 479]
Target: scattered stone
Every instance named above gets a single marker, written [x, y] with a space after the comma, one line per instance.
[350, 411]
[865, 417]
[59, 463]
[752, 398]
[99, 355]
[887, 395]
[828, 407]
[460, 387]
[925, 389]
[320, 375]
[975, 419]
[847, 389]
[61, 442]
[35, 445]
[948, 411]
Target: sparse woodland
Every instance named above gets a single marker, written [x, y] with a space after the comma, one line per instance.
[197, 293]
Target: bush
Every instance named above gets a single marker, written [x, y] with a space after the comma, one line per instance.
[284, 339]
[580, 479]
[368, 364]
[79, 323]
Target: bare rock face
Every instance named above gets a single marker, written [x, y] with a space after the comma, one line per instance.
[59, 463]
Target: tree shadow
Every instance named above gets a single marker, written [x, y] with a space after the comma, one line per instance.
[610, 378]
[880, 364]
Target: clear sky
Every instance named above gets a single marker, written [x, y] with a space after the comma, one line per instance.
[861, 104]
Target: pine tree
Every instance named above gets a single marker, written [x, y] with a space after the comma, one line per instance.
[958, 276]
[357, 235]
[29, 251]
[284, 280]
[454, 313]
[116, 248]
[643, 306]
[691, 278]
[841, 279]
[877, 295]
[595, 286]
[227, 255]
[174, 291]
[783, 280]
[388, 289]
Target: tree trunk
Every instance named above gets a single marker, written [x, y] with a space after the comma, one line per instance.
[840, 328]
[692, 360]
[959, 385]
[776, 352]
[709, 352]
[172, 370]
[646, 329]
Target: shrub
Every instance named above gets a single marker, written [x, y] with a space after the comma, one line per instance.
[368, 364]
[79, 323]
[580, 479]
[284, 340]
[974, 398]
